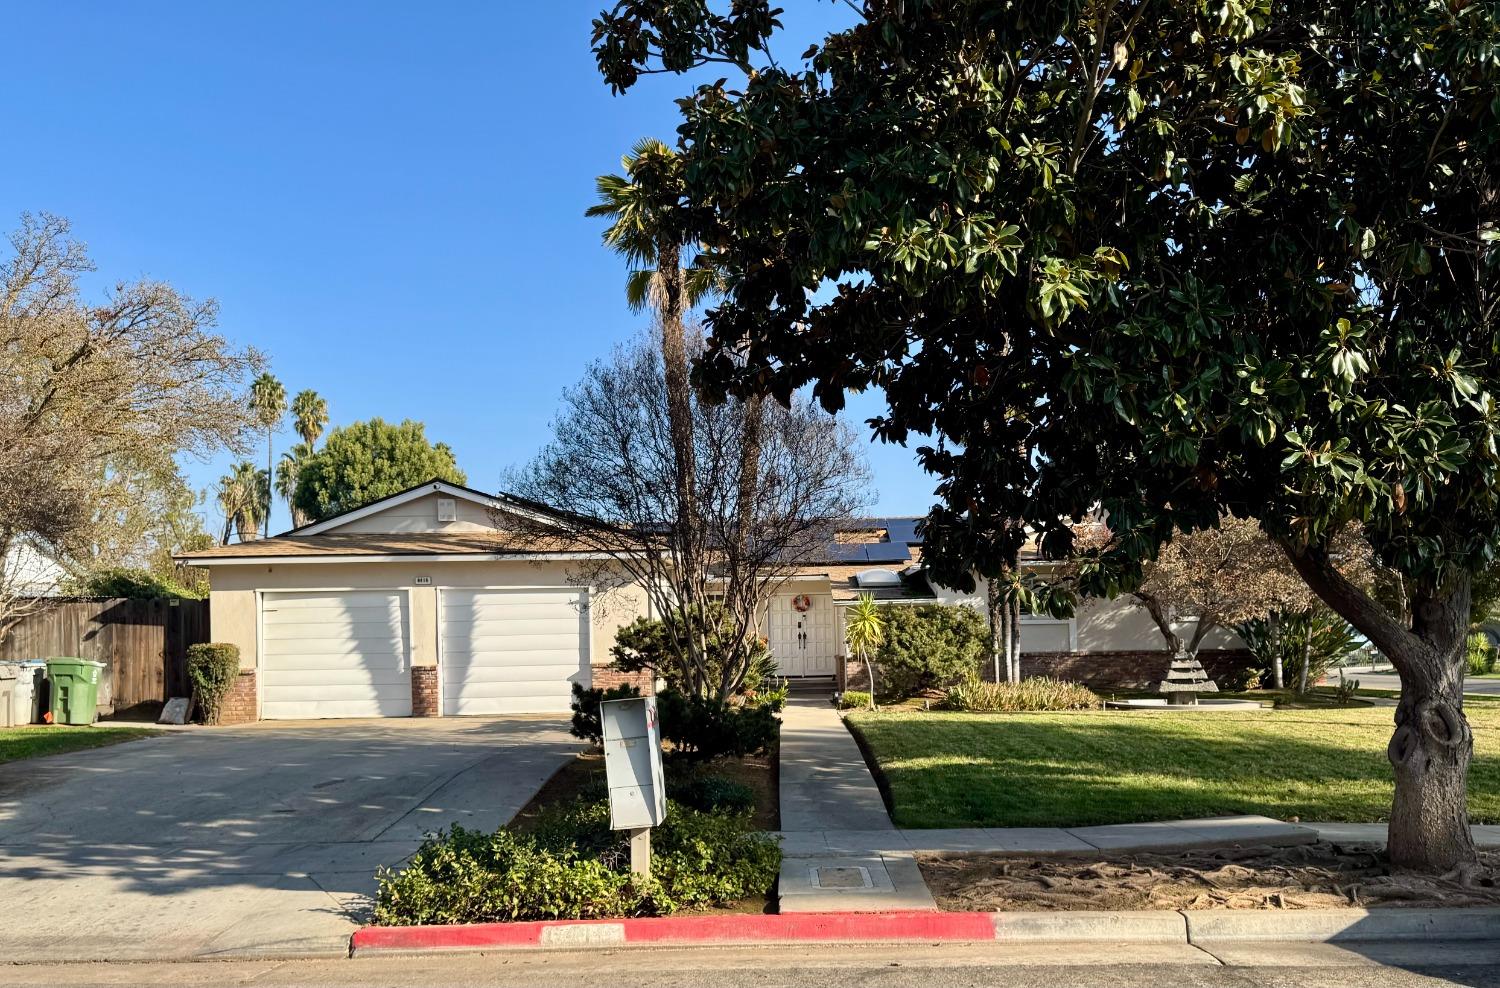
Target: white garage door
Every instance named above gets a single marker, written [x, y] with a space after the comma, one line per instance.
[513, 651]
[334, 654]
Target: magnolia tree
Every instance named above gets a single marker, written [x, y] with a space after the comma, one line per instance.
[1232, 258]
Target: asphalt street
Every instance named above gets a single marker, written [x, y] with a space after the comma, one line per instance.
[1259, 965]
[1389, 681]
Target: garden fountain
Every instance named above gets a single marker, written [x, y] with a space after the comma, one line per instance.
[1186, 679]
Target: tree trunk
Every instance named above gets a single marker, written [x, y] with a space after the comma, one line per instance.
[1278, 672]
[999, 636]
[1306, 671]
[688, 529]
[1013, 650]
[1433, 744]
[741, 597]
[270, 474]
[1163, 621]
[1431, 751]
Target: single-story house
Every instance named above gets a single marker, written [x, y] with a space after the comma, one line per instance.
[426, 603]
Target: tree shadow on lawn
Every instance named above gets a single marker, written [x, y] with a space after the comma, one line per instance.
[954, 771]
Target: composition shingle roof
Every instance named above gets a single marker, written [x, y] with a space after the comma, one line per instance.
[395, 544]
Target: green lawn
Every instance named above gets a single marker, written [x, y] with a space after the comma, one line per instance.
[1078, 769]
[42, 739]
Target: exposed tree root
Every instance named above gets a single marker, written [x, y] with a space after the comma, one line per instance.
[1307, 877]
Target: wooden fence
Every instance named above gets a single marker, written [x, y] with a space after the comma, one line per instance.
[143, 642]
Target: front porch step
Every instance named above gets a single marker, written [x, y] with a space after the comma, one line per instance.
[811, 685]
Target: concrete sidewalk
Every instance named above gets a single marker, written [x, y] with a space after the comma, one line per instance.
[1487, 836]
[1170, 835]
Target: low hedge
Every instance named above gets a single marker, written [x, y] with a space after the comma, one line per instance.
[854, 700]
[572, 866]
[1036, 694]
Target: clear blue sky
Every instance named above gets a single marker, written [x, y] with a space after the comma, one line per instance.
[385, 198]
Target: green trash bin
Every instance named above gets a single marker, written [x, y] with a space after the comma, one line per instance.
[75, 690]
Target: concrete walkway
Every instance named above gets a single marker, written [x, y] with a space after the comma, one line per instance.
[824, 782]
[827, 790]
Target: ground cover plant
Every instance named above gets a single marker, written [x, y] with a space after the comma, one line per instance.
[570, 865]
[1076, 769]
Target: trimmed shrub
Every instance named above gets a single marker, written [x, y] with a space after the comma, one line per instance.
[698, 730]
[657, 644]
[701, 730]
[854, 700]
[1035, 694]
[212, 668]
[711, 794]
[586, 702]
[1481, 655]
[929, 646]
[574, 867]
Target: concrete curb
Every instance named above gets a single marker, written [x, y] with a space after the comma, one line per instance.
[1343, 925]
[1148, 926]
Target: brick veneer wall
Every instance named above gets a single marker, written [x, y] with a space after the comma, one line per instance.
[1124, 670]
[1133, 670]
[424, 691]
[239, 703]
[608, 677]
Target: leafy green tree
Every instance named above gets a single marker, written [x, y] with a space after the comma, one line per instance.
[367, 461]
[309, 416]
[137, 584]
[1232, 257]
[268, 402]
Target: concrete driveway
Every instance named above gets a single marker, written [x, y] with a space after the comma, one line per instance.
[257, 840]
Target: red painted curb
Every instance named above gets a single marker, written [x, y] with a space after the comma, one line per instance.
[787, 927]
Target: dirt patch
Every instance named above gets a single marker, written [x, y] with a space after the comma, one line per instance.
[583, 777]
[1313, 876]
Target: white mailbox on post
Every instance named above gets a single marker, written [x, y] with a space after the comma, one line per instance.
[632, 768]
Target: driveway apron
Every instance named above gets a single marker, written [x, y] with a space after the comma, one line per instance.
[262, 840]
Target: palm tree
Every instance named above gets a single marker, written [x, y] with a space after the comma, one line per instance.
[287, 473]
[309, 416]
[644, 207]
[268, 402]
[864, 629]
[244, 496]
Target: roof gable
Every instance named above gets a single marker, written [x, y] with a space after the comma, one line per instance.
[414, 510]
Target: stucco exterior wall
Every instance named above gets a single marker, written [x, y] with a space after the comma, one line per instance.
[420, 515]
[1123, 625]
[234, 614]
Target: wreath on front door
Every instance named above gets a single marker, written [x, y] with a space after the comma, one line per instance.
[802, 603]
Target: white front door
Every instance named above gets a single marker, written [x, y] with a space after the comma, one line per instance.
[513, 651]
[800, 631]
[336, 653]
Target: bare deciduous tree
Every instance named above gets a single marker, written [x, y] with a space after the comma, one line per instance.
[123, 385]
[609, 477]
